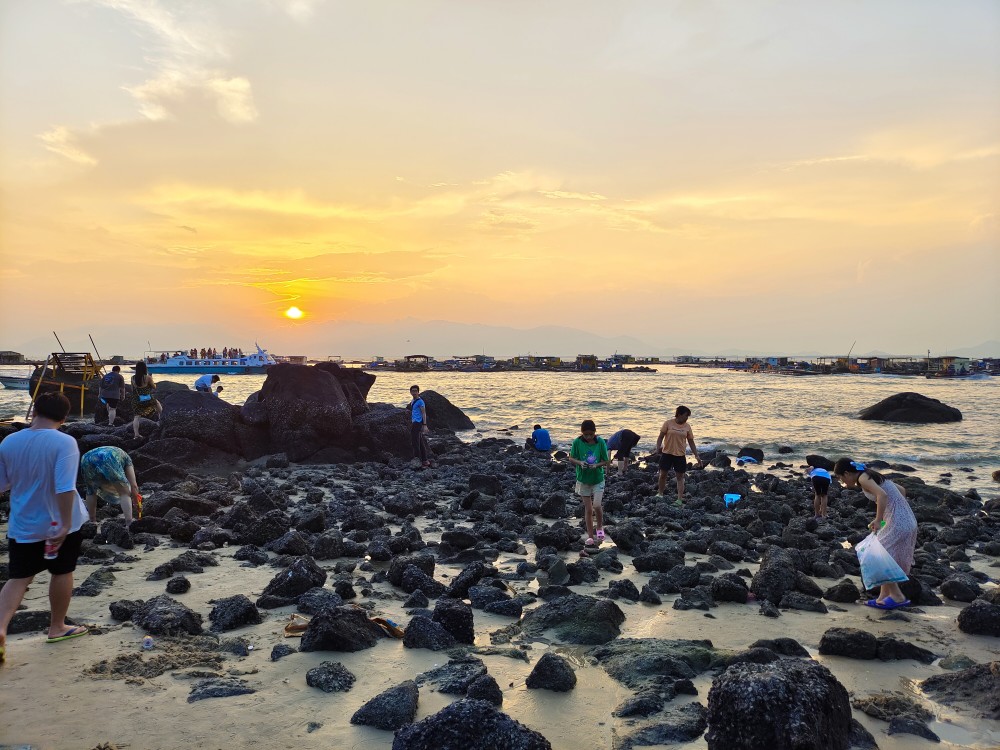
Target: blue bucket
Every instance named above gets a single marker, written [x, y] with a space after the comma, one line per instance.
[730, 499]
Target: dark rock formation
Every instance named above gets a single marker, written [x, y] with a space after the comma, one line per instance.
[976, 688]
[980, 618]
[219, 687]
[331, 677]
[233, 612]
[163, 615]
[422, 632]
[452, 728]
[576, 619]
[552, 672]
[911, 408]
[390, 710]
[789, 704]
[342, 629]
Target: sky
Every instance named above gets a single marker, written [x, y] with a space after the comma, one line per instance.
[767, 175]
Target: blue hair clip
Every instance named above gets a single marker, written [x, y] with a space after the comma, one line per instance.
[858, 466]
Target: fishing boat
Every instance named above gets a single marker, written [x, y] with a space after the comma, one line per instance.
[15, 382]
[174, 362]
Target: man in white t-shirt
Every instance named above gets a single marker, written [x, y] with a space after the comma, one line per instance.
[205, 382]
[39, 466]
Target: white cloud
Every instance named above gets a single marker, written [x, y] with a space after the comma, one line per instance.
[59, 140]
[299, 10]
[187, 50]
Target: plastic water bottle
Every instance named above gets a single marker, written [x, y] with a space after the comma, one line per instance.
[147, 643]
[51, 549]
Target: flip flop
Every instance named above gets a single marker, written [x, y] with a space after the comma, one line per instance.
[890, 603]
[74, 632]
[589, 542]
[600, 535]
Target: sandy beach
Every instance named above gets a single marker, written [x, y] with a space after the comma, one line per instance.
[52, 699]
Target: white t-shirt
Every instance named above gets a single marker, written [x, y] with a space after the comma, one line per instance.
[36, 465]
[204, 382]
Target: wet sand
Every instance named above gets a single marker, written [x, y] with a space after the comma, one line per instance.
[49, 702]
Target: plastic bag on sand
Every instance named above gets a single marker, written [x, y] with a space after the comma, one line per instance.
[877, 565]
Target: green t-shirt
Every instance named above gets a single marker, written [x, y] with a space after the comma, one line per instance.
[581, 451]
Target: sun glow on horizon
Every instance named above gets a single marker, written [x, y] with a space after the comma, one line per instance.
[294, 313]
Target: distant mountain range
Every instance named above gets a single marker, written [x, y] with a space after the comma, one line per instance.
[438, 338]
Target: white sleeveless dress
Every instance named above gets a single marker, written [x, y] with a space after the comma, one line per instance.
[899, 535]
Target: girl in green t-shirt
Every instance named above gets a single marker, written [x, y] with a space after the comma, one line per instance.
[590, 455]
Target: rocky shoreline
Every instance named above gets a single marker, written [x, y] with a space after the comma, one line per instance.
[725, 627]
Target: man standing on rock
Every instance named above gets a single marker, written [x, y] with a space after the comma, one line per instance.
[38, 465]
[112, 392]
[419, 429]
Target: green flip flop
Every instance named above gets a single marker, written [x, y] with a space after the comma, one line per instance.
[74, 632]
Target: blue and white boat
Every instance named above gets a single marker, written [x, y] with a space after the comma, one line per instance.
[175, 362]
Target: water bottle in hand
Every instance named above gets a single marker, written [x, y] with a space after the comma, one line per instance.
[51, 548]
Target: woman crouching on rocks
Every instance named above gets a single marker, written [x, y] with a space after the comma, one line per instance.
[898, 535]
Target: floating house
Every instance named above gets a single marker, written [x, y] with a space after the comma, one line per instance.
[11, 358]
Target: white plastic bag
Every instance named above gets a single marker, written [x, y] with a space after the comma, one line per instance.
[877, 565]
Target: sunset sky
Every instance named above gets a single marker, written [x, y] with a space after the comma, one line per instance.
[768, 175]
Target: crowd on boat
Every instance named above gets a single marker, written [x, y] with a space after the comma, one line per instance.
[206, 353]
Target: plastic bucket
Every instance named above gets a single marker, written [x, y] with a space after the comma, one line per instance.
[730, 498]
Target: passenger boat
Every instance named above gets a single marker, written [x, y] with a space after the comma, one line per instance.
[15, 382]
[180, 362]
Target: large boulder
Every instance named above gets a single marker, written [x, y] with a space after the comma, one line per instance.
[454, 726]
[775, 577]
[442, 414]
[179, 451]
[163, 615]
[789, 704]
[307, 410]
[233, 612]
[976, 688]
[385, 428]
[911, 408]
[298, 578]
[576, 619]
[341, 629]
[355, 382]
[390, 710]
[200, 417]
[551, 672]
[980, 618]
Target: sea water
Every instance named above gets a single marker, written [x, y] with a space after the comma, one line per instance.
[729, 410]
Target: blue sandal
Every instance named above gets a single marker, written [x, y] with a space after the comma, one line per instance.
[887, 603]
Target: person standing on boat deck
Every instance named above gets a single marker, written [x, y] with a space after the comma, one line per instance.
[670, 446]
[143, 403]
[205, 382]
[898, 535]
[419, 429]
[622, 442]
[112, 391]
[38, 465]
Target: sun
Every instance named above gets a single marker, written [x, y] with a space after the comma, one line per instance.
[294, 313]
